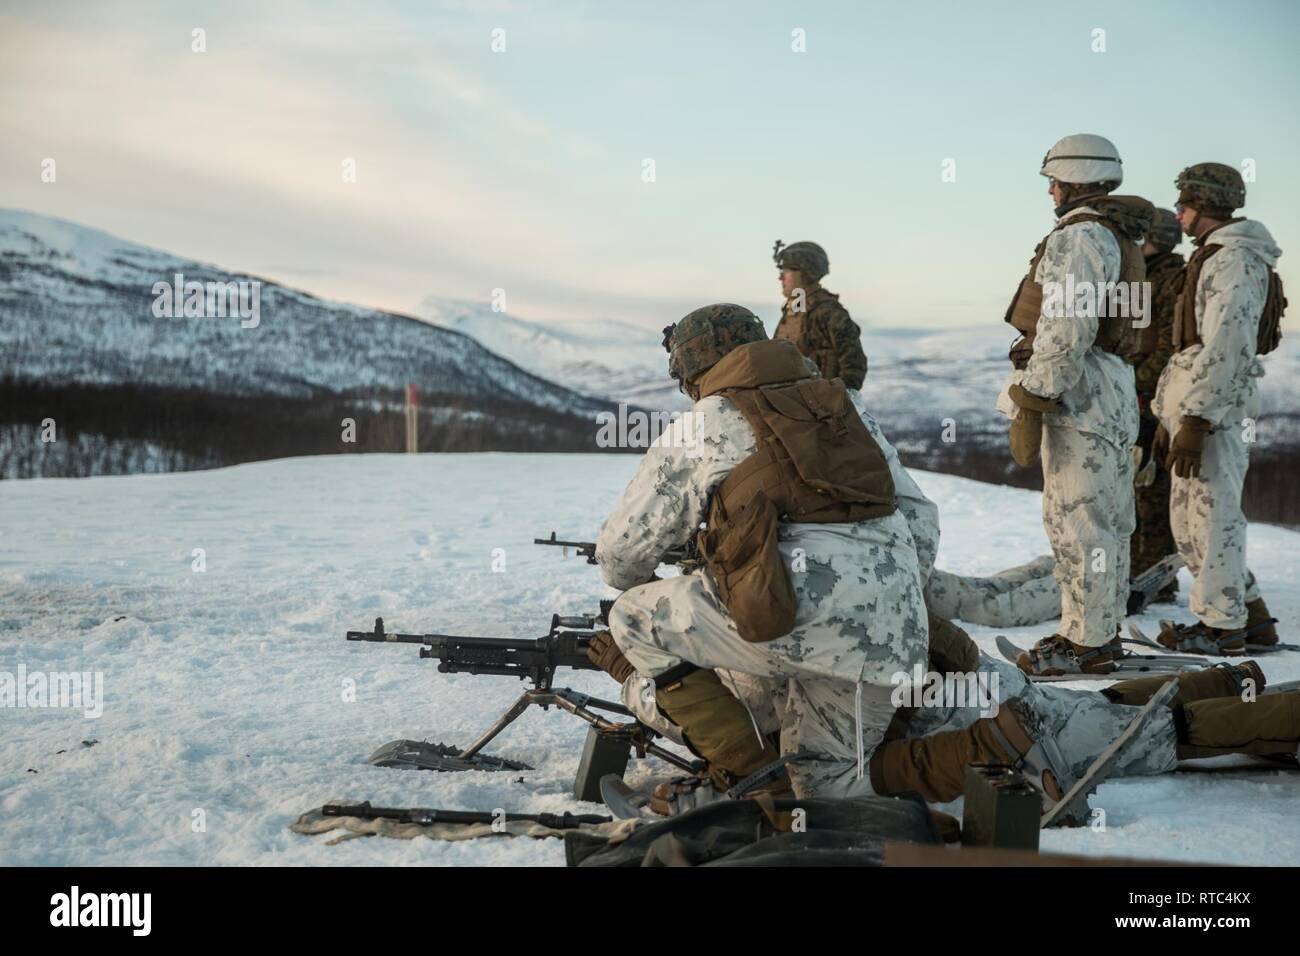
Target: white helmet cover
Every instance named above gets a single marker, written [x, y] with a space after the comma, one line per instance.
[1083, 158]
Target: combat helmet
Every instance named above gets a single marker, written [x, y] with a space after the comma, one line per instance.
[1165, 233]
[1211, 187]
[1083, 158]
[700, 340]
[807, 257]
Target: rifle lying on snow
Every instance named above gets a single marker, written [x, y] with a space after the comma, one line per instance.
[609, 743]
[426, 816]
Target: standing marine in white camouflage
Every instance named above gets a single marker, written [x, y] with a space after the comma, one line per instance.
[1207, 399]
[1072, 397]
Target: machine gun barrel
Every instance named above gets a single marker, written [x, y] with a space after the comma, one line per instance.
[536, 660]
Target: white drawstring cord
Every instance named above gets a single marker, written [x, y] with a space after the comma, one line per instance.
[857, 720]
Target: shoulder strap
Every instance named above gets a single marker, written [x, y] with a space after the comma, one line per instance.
[1185, 332]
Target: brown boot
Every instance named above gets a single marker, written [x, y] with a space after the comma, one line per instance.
[1221, 680]
[1257, 612]
[715, 724]
[1055, 655]
[1200, 638]
[1267, 725]
[935, 766]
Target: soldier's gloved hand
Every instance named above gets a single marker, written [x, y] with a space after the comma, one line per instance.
[1032, 402]
[1188, 446]
[604, 653]
[1160, 444]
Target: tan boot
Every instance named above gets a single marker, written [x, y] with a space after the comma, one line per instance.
[935, 766]
[716, 725]
[1055, 655]
[1221, 680]
[1201, 638]
[1267, 725]
[1257, 614]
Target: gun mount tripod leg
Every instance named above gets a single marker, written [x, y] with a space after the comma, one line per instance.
[501, 723]
[608, 746]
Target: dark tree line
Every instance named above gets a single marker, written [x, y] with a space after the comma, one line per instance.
[201, 429]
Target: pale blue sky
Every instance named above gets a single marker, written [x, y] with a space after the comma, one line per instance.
[522, 170]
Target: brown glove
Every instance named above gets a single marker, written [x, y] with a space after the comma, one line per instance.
[1160, 445]
[604, 653]
[1187, 447]
[1035, 403]
[1026, 436]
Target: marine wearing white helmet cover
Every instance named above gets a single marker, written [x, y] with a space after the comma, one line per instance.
[1089, 413]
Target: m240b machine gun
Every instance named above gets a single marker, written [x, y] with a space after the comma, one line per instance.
[609, 743]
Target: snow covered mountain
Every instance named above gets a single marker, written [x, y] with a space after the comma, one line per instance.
[78, 304]
[233, 691]
[81, 332]
[610, 359]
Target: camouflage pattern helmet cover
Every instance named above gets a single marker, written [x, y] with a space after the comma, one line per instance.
[806, 257]
[1211, 184]
[700, 340]
[1165, 232]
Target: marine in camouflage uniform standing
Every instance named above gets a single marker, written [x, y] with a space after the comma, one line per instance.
[1207, 401]
[813, 318]
[1074, 400]
[1153, 540]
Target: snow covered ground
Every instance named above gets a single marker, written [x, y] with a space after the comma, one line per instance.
[224, 690]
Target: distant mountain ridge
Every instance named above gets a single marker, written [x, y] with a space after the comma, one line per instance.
[79, 336]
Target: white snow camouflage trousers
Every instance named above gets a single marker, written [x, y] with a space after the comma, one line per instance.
[1025, 594]
[1210, 531]
[1089, 519]
[1216, 380]
[786, 684]
[1083, 723]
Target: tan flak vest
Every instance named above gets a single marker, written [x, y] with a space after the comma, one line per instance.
[815, 462]
[1114, 334]
[1186, 334]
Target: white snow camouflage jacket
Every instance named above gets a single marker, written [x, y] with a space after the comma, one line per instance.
[1216, 379]
[861, 607]
[1096, 387]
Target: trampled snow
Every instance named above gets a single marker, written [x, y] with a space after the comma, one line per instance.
[224, 690]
